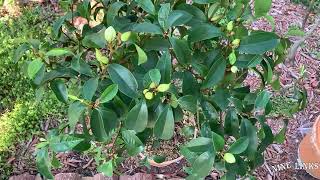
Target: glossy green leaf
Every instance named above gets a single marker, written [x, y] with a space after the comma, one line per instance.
[43, 163]
[248, 60]
[262, 99]
[258, 42]
[203, 32]
[182, 50]
[89, 88]
[75, 111]
[218, 141]
[142, 56]
[137, 118]
[248, 130]
[109, 93]
[200, 144]
[94, 40]
[203, 165]
[239, 146]
[231, 123]
[34, 67]
[188, 103]
[125, 80]
[133, 144]
[113, 11]
[215, 74]
[163, 16]
[165, 66]
[164, 126]
[59, 52]
[102, 123]
[147, 5]
[147, 27]
[60, 90]
[64, 143]
[178, 17]
[229, 158]
[153, 75]
[106, 168]
[204, 1]
[262, 7]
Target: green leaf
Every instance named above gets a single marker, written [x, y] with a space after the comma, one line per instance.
[20, 51]
[261, 7]
[64, 143]
[178, 17]
[89, 88]
[232, 58]
[221, 98]
[215, 74]
[94, 40]
[156, 43]
[262, 99]
[102, 59]
[137, 118]
[147, 27]
[204, 1]
[248, 130]
[34, 67]
[258, 42]
[43, 163]
[165, 66]
[153, 75]
[113, 11]
[57, 25]
[109, 93]
[124, 79]
[110, 34]
[133, 144]
[163, 16]
[142, 56]
[231, 122]
[106, 168]
[164, 126]
[75, 111]
[229, 158]
[147, 5]
[239, 146]
[59, 52]
[248, 60]
[188, 103]
[200, 144]
[203, 165]
[60, 90]
[203, 32]
[218, 141]
[182, 50]
[102, 123]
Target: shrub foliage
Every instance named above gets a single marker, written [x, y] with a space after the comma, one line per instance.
[132, 76]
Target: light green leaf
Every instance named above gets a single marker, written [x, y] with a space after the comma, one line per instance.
[137, 118]
[218, 141]
[110, 34]
[203, 165]
[124, 79]
[34, 67]
[64, 143]
[101, 58]
[109, 93]
[133, 144]
[142, 56]
[232, 58]
[106, 168]
[261, 7]
[164, 126]
[75, 111]
[229, 158]
[59, 52]
[200, 144]
[204, 1]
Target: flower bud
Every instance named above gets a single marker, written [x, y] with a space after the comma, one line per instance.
[149, 95]
[152, 85]
[236, 42]
[145, 91]
[234, 69]
[110, 34]
[230, 26]
[163, 87]
[229, 158]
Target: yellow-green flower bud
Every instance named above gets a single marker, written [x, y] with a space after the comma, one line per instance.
[163, 87]
[149, 95]
[145, 91]
[152, 85]
[234, 69]
[126, 36]
[236, 42]
[229, 158]
[110, 34]
[230, 26]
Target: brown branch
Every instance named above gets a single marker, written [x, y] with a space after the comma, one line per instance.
[296, 45]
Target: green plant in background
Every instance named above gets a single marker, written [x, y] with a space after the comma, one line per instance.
[154, 61]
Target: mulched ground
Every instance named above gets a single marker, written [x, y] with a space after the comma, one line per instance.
[285, 14]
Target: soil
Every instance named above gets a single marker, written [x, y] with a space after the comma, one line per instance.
[285, 14]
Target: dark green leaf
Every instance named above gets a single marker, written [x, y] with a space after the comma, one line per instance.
[163, 15]
[262, 100]
[147, 27]
[188, 103]
[182, 50]
[165, 67]
[147, 5]
[203, 165]
[178, 17]
[200, 144]
[203, 32]
[102, 123]
[60, 90]
[34, 67]
[239, 146]
[124, 79]
[133, 144]
[164, 126]
[248, 130]
[258, 42]
[20, 51]
[89, 88]
[204, 1]
[113, 11]
[218, 141]
[215, 74]
[95, 40]
[137, 118]
[75, 111]
[43, 163]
